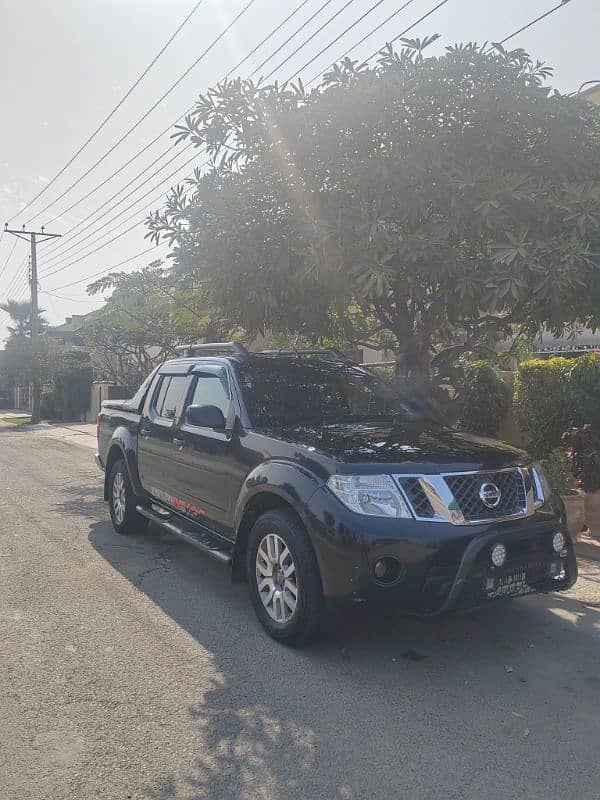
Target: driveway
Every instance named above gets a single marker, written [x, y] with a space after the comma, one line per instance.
[131, 668]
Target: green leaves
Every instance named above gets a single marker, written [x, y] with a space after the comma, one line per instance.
[445, 196]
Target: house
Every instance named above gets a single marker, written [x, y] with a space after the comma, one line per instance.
[67, 332]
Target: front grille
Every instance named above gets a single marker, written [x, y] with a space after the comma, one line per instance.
[466, 488]
[417, 497]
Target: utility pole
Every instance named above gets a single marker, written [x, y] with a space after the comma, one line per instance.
[34, 238]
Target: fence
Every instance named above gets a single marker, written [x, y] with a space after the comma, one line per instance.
[100, 391]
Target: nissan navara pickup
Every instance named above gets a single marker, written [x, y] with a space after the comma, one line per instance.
[318, 483]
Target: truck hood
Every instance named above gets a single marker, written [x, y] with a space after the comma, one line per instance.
[415, 445]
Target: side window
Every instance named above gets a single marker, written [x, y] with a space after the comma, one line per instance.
[160, 395]
[211, 391]
[136, 402]
[170, 397]
[174, 398]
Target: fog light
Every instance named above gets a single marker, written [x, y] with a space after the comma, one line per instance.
[498, 554]
[387, 570]
[558, 542]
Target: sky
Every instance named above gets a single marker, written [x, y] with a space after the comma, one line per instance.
[65, 64]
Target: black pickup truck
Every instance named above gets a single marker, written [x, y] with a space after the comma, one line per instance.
[317, 482]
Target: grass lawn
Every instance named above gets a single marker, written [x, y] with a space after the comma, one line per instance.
[17, 420]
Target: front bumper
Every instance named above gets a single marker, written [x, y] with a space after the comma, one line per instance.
[443, 566]
[98, 462]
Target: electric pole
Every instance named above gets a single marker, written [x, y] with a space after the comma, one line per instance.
[34, 238]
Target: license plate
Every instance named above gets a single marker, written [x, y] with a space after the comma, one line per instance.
[513, 583]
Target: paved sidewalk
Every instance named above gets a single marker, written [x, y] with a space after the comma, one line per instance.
[74, 432]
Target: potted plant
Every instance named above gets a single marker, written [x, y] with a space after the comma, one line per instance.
[583, 452]
[558, 469]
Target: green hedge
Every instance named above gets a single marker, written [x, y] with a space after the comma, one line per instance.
[554, 394]
[485, 399]
[584, 382]
[71, 391]
[69, 396]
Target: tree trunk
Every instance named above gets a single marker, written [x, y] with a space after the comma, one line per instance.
[413, 366]
[35, 402]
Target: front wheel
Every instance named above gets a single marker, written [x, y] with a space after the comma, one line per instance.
[122, 501]
[284, 578]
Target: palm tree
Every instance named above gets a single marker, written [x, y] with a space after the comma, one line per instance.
[20, 313]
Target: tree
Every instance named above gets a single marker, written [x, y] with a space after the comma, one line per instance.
[148, 314]
[20, 313]
[25, 361]
[444, 199]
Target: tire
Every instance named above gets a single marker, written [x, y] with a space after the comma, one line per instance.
[278, 544]
[122, 502]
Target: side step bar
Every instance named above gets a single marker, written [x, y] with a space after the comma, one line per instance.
[202, 541]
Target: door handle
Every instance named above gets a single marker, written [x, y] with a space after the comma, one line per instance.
[145, 432]
[179, 443]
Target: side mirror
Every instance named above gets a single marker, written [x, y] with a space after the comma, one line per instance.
[205, 417]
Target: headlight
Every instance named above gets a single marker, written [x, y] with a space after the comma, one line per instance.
[541, 483]
[374, 495]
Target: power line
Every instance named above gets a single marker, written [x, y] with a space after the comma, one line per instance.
[122, 200]
[410, 27]
[62, 252]
[171, 147]
[171, 125]
[337, 38]
[12, 250]
[128, 230]
[107, 233]
[424, 16]
[366, 36]
[62, 297]
[150, 110]
[16, 279]
[270, 35]
[321, 8]
[536, 20]
[107, 270]
[113, 112]
[310, 38]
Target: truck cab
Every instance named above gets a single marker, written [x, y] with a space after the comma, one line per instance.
[318, 483]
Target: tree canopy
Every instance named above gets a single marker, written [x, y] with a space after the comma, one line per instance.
[148, 314]
[20, 313]
[442, 199]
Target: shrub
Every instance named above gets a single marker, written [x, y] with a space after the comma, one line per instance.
[583, 451]
[485, 399]
[558, 468]
[584, 380]
[71, 393]
[543, 402]
[47, 408]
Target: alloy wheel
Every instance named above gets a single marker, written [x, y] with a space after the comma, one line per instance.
[276, 578]
[119, 500]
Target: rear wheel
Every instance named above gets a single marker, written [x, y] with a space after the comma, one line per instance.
[284, 578]
[122, 501]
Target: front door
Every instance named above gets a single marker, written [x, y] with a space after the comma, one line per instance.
[212, 472]
[158, 428]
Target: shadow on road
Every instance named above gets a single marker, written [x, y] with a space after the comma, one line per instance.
[288, 723]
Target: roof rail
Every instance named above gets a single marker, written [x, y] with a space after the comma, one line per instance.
[290, 351]
[213, 349]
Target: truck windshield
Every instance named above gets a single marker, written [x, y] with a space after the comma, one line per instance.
[293, 392]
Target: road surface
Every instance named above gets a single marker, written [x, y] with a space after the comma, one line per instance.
[131, 668]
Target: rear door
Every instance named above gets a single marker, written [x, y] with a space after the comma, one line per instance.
[158, 427]
[212, 465]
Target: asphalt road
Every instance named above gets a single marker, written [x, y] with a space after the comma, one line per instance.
[131, 668]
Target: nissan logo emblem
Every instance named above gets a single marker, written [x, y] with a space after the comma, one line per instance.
[490, 495]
